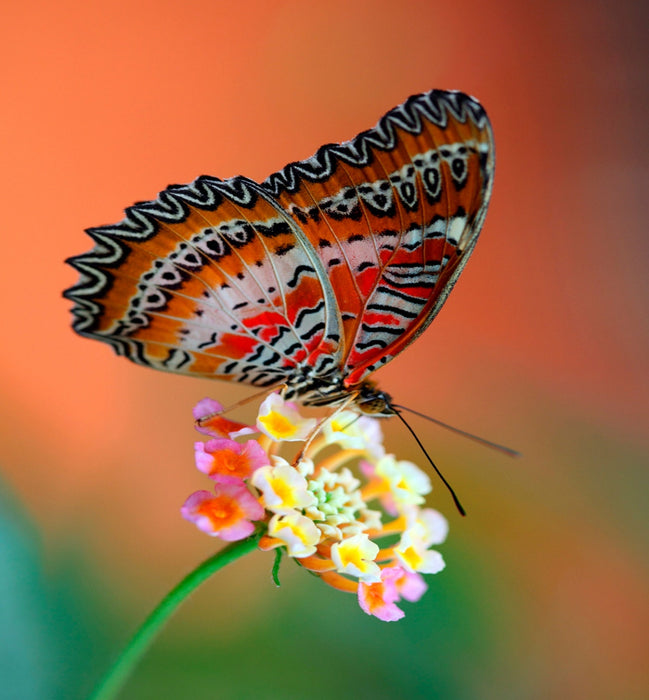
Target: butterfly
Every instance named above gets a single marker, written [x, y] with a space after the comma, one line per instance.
[310, 280]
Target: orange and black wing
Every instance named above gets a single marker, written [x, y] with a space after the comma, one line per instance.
[211, 279]
[333, 264]
[394, 215]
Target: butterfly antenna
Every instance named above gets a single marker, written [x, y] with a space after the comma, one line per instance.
[456, 500]
[482, 441]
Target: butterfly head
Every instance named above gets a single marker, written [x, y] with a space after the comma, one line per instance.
[372, 401]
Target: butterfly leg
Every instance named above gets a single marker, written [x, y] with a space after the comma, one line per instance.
[350, 400]
[202, 420]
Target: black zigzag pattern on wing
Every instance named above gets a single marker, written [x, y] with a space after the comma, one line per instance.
[435, 106]
[142, 222]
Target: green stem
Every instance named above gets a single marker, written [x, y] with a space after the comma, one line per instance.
[111, 683]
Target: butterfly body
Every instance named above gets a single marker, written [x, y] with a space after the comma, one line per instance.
[310, 280]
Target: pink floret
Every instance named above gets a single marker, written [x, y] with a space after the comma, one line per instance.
[208, 412]
[410, 585]
[226, 460]
[206, 407]
[227, 513]
[378, 599]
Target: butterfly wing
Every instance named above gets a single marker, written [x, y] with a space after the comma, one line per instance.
[212, 279]
[333, 263]
[394, 215]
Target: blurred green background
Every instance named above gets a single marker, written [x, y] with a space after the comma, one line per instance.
[543, 345]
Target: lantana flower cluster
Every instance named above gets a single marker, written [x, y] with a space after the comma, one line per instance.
[342, 507]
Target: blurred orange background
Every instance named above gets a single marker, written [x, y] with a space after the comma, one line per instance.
[543, 345]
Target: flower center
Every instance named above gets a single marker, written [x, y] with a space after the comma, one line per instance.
[220, 511]
[277, 424]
